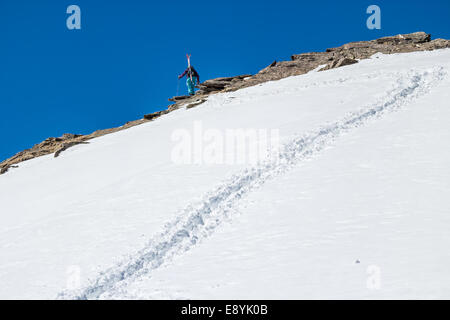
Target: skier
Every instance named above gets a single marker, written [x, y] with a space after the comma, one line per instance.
[191, 73]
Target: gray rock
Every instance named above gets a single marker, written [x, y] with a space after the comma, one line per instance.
[339, 63]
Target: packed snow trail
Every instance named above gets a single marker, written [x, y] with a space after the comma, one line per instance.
[199, 220]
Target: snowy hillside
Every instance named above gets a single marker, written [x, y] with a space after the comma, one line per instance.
[354, 204]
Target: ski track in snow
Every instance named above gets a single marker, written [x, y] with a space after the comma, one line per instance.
[199, 220]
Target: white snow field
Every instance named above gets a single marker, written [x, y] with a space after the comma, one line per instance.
[355, 205]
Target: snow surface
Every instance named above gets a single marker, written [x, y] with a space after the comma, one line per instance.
[355, 205]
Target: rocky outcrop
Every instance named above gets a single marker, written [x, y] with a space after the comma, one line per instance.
[155, 115]
[299, 64]
[195, 103]
[178, 98]
[48, 146]
[339, 63]
[220, 84]
[58, 145]
[67, 145]
[332, 58]
[418, 41]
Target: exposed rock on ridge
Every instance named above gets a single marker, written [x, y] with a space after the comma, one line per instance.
[332, 58]
[58, 145]
[299, 64]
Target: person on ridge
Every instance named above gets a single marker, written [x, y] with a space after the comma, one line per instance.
[192, 75]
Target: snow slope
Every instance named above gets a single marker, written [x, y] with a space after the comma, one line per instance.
[355, 204]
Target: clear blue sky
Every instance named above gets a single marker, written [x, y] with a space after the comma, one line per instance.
[124, 61]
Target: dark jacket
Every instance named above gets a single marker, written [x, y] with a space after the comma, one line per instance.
[190, 72]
